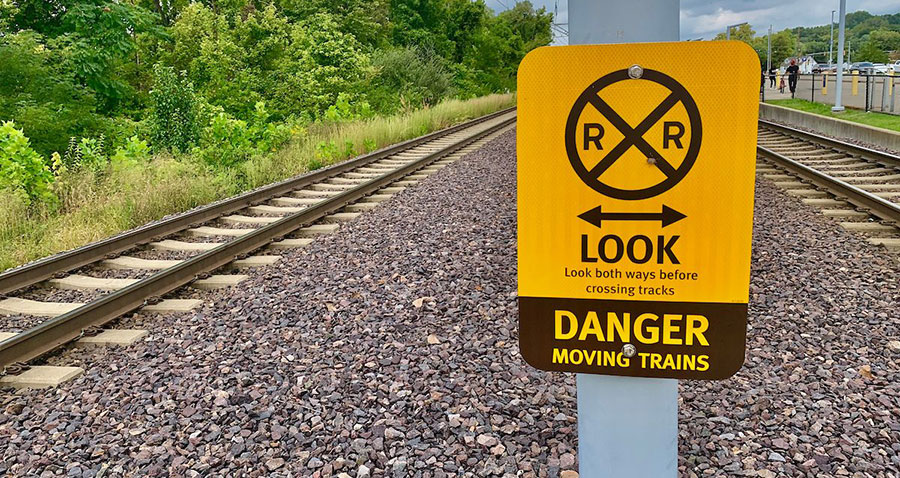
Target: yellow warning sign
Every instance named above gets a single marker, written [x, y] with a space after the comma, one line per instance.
[635, 205]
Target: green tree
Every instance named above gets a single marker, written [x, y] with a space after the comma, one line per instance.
[887, 40]
[174, 119]
[408, 76]
[367, 20]
[38, 89]
[871, 52]
[744, 33]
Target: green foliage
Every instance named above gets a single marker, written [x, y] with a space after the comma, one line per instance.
[871, 52]
[133, 151]
[85, 153]
[91, 153]
[409, 76]
[227, 141]
[41, 93]
[868, 38]
[93, 83]
[345, 109]
[101, 35]
[173, 120]
[22, 170]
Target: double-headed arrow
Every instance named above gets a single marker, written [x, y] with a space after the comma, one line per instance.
[667, 216]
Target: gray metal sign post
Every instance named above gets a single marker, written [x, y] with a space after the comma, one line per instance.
[627, 427]
[839, 87]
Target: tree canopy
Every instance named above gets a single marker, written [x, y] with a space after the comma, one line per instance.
[85, 68]
[874, 38]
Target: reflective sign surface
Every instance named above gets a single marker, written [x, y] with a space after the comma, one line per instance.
[635, 206]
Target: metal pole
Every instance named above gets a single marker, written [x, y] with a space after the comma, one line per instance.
[839, 88]
[867, 92]
[831, 43]
[729, 27]
[627, 426]
[769, 52]
[893, 93]
[812, 95]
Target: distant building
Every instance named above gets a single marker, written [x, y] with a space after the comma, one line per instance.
[806, 63]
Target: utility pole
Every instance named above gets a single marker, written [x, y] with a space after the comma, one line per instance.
[839, 87]
[831, 43]
[627, 426]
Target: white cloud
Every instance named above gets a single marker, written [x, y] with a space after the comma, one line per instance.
[706, 18]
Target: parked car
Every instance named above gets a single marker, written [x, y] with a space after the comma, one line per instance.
[895, 66]
[863, 67]
[880, 68]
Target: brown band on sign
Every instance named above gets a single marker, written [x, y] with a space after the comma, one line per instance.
[685, 340]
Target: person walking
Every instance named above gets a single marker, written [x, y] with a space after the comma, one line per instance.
[793, 72]
[772, 78]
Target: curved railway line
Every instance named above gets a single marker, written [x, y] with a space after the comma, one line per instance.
[185, 249]
[856, 185]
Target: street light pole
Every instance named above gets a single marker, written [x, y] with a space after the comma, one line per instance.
[729, 27]
[831, 43]
[769, 51]
[840, 69]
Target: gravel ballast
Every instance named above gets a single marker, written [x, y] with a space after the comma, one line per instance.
[389, 348]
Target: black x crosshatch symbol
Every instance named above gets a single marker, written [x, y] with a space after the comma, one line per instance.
[633, 136]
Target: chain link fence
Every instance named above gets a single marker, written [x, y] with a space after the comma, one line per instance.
[864, 92]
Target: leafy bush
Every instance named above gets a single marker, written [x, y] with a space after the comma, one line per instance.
[38, 92]
[133, 151]
[328, 151]
[173, 121]
[410, 76]
[344, 110]
[86, 153]
[22, 170]
[227, 141]
[267, 134]
[92, 153]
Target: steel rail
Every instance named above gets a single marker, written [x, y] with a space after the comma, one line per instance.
[34, 272]
[54, 332]
[862, 199]
[885, 159]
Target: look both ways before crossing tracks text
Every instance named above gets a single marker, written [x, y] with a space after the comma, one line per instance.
[635, 189]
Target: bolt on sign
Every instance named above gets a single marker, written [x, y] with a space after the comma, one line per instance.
[636, 167]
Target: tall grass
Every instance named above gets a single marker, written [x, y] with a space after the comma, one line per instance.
[95, 205]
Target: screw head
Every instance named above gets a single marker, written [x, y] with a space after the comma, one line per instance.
[635, 71]
[628, 350]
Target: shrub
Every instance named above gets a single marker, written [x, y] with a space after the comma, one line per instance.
[409, 76]
[174, 120]
[22, 170]
[225, 142]
[87, 153]
[267, 135]
[133, 151]
[344, 110]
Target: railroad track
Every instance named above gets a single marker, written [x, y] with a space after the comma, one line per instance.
[139, 267]
[856, 185]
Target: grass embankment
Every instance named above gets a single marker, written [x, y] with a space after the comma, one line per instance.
[97, 205]
[871, 118]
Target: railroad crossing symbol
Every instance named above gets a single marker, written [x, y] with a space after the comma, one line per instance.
[672, 132]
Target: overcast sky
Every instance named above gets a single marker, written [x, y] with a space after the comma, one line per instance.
[706, 18]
